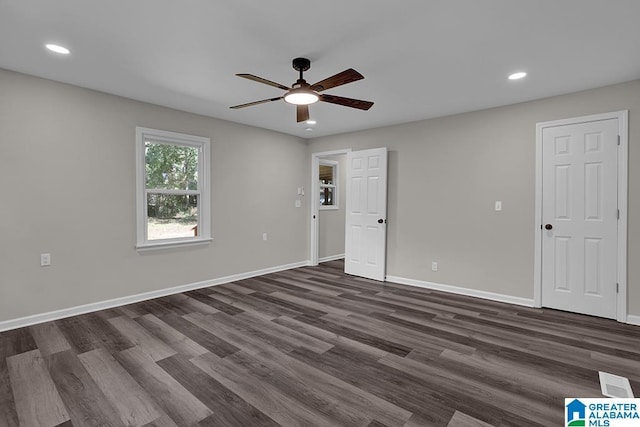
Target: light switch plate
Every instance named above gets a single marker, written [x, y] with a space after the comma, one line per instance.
[498, 205]
[45, 260]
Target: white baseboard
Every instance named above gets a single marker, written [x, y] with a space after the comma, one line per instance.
[462, 291]
[633, 320]
[330, 258]
[117, 302]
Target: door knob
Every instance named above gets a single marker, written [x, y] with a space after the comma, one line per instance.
[548, 226]
[380, 221]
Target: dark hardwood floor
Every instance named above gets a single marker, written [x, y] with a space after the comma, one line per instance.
[310, 347]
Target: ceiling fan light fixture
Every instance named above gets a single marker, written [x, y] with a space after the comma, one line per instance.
[301, 97]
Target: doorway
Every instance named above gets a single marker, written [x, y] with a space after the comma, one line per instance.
[328, 201]
[581, 211]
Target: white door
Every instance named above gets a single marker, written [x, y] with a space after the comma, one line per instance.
[579, 217]
[366, 216]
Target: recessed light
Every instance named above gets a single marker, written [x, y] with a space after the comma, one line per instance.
[58, 49]
[311, 122]
[309, 129]
[517, 76]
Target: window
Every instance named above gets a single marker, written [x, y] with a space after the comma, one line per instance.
[328, 181]
[172, 172]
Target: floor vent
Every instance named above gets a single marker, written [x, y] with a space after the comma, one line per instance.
[615, 386]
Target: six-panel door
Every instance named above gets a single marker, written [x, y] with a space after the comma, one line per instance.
[366, 210]
[579, 214]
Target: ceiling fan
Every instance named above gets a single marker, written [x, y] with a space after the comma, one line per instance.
[301, 93]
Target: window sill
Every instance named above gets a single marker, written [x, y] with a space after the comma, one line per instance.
[328, 208]
[172, 244]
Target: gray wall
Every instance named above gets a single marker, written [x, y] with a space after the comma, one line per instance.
[67, 175]
[331, 225]
[68, 187]
[445, 175]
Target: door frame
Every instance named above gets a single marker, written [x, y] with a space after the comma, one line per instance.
[623, 150]
[314, 227]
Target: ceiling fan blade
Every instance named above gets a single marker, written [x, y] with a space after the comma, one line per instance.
[265, 81]
[347, 102]
[347, 76]
[302, 113]
[249, 104]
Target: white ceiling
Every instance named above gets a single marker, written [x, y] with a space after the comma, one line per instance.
[420, 58]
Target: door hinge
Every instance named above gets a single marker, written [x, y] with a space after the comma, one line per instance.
[618, 213]
[617, 288]
[618, 139]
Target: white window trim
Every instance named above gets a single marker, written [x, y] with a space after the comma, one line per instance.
[204, 204]
[336, 176]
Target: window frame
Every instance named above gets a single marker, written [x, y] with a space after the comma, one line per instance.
[334, 164]
[204, 204]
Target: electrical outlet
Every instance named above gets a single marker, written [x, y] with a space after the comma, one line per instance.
[298, 203]
[264, 236]
[434, 266]
[45, 260]
[498, 205]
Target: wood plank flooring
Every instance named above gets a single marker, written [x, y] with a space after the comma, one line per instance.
[310, 347]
